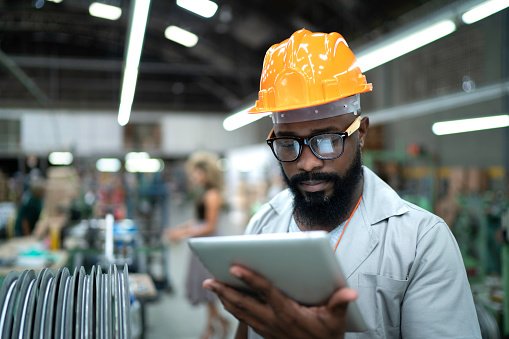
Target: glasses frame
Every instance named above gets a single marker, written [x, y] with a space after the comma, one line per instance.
[354, 126]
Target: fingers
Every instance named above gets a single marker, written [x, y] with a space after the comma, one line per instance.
[339, 301]
[341, 298]
[286, 310]
[256, 282]
[244, 307]
[328, 321]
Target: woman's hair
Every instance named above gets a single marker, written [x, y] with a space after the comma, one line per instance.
[209, 164]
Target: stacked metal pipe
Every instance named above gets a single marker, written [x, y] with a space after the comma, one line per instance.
[64, 305]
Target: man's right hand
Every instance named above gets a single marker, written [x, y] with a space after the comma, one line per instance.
[273, 315]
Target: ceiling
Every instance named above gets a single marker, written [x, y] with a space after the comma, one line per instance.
[55, 55]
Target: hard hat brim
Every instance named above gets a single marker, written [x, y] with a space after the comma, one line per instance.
[256, 109]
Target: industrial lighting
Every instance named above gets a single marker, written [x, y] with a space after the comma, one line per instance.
[104, 11]
[240, 119]
[484, 10]
[141, 162]
[391, 50]
[136, 155]
[205, 8]
[134, 46]
[181, 36]
[470, 125]
[60, 158]
[111, 165]
[150, 165]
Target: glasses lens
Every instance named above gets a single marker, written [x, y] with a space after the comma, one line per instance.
[327, 146]
[286, 149]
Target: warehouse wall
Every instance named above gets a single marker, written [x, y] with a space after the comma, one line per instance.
[98, 133]
[473, 55]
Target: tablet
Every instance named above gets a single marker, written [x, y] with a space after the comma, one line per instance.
[300, 264]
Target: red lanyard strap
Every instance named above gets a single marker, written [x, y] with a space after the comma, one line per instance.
[347, 222]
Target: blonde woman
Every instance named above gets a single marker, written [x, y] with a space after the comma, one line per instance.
[206, 181]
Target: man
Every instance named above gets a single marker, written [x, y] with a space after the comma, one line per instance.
[402, 263]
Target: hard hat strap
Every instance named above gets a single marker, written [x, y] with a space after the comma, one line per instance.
[351, 104]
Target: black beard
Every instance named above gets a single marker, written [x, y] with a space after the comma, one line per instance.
[315, 210]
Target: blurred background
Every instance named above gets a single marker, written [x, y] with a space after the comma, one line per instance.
[101, 104]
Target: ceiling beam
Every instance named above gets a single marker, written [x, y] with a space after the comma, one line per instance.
[24, 79]
[108, 65]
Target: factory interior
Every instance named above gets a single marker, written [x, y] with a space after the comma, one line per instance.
[102, 104]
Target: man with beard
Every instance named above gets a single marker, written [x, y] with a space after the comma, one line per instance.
[401, 262]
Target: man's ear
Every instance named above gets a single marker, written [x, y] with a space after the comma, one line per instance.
[363, 130]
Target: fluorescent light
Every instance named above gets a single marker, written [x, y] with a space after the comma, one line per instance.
[484, 10]
[108, 165]
[134, 46]
[55, 1]
[205, 8]
[136, 155]
[181, 36]
[144, 165]
[241, 118]
[470, 125]
[127, 96]
[104, 11]
[60, 158]
[391, 50]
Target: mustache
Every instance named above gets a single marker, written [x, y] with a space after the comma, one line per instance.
[308, 176]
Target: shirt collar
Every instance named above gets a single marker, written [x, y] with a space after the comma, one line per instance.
[380, 200]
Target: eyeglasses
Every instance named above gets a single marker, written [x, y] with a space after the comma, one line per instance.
[326, 146]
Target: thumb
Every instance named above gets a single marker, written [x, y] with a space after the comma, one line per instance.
[342, 297]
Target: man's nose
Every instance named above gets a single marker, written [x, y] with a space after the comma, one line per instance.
[308, 161]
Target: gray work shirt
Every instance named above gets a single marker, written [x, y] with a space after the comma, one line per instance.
[403, 261]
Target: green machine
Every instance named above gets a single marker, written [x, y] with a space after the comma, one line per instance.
[505, 271]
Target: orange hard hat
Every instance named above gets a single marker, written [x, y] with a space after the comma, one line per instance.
[308, 69]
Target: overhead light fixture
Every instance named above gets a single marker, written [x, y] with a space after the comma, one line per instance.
[241, 118]
[60, 158]
[470, 125]
[110, 165]
[205, 8]
[181, 36]
[136, 34]
[484, 10]
[55, 1]
[390, 50]
[104, 11]
[136, 155]
[150, 165]
[141, 162]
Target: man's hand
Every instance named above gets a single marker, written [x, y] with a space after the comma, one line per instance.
[274, 315]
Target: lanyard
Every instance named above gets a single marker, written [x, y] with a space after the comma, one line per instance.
[347, 222]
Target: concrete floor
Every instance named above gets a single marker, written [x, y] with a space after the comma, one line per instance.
[171, 316]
